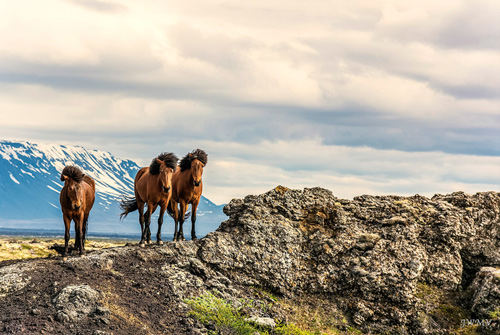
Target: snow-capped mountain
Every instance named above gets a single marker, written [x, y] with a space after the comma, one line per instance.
[30, 185]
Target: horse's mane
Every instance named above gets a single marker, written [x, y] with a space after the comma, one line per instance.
[195, 154]
[72, 172]
[170, 161]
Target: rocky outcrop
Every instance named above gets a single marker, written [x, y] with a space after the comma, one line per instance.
[76, 302]
[384, 264]
[14, 278]
[373, 249]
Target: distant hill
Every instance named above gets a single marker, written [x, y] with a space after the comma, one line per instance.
[30, 186]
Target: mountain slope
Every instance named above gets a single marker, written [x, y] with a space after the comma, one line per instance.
[30, 186]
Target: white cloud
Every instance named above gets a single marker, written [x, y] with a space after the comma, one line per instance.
[263, 84]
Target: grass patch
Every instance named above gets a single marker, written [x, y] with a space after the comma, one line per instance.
[291, 330]
[212, 310]
[224, 318]
[495, 315]
[28, 247]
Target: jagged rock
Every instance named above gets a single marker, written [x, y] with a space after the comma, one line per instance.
[486, 293]
[377, 248]
[263, 322]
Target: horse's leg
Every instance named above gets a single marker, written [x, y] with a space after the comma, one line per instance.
[67, 226]
[147, 218]
[194, 206]
[160, 222]
[145, 229]
[175, 214]
[77, 236]
[140, 207]
[148, 226]
[85, 226]
[80, 234]
[182, 212]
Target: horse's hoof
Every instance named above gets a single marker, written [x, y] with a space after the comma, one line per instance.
[65, 258]
[160, 242]
[82, 255]
[194, 238]
[142, 245]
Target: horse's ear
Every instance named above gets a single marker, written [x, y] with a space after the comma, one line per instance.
[159, 161]
[64, 177]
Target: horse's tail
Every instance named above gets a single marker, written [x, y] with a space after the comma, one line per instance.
[170, 212]
[128, 204]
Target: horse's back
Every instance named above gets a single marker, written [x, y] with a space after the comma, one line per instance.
[141, 173]
[89, 181]
[141, 184]
[90, 192]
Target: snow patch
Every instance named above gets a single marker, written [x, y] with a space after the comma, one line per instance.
[28, 173]
[13, 178]
[53, 189]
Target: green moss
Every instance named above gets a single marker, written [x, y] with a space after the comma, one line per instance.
[26, 247]
[495, 314]
[428, 294]
[443, 307]
[291, 329]
[261, 292]
[449, 316]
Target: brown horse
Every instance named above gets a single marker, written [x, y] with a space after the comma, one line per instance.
[76, 198]
[186, 189]
[152, 186]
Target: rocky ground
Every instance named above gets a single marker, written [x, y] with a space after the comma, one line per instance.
[285, 262]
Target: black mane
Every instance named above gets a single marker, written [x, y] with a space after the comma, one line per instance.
[170, 161]
[72, 172]
[195, 154]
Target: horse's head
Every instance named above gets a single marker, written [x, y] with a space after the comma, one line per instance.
[194, 161]
[197, 171]
[72, 177]
[163, 166]
[165, 176]
[74, 192]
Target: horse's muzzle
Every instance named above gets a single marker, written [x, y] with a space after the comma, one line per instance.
[75, 207]
[166, 189]
[197, 183]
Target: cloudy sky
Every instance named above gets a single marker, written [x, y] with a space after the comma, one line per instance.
[360, 96]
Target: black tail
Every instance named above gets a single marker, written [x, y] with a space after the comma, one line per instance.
[170, 212]
[128, 204]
